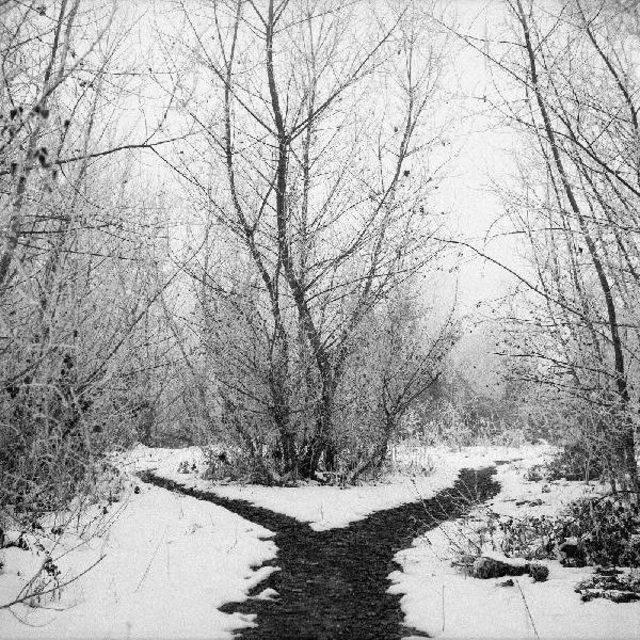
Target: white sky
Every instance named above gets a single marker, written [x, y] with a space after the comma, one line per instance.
[485, 151]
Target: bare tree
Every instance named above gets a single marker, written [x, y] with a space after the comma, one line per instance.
[325, 185]
[577, 210]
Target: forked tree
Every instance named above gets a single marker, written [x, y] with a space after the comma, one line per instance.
[315, 147]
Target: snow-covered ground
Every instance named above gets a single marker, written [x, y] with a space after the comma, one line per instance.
[169, 562]
[439, 600]
[327, 507]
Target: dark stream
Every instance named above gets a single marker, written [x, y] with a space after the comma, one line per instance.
[332, 585]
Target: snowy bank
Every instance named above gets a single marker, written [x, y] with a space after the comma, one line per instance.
[169, 562]
[439, 600]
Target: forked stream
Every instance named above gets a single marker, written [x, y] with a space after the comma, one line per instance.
[332, 585]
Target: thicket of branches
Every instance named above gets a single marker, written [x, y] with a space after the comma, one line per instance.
[312, 170]
[274, 300]
[573, 332]
[79, 257]
[283, 315]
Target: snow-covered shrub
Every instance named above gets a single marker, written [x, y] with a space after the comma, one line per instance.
[611, 584]
[593, 427]
[54, 444]
[535, 473]
[411, 459]
[576, 460]
[184, 467]
[529, 537]
[607, 530]
[591, 531]
[239, 464]
[486, 568]
[463, 418]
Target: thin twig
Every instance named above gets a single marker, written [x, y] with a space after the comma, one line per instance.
[526, 606]
[146, 571]
[56, 588]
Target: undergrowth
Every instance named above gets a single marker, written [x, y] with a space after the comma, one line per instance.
[591, 531]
